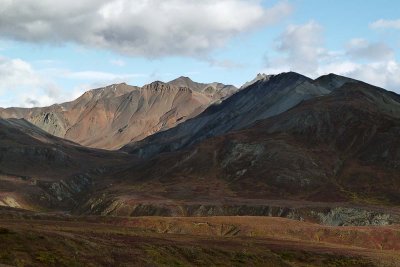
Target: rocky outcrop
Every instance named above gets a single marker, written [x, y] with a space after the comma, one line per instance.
[69, 191]
[333, 216]
[259, 77]
[340, 216]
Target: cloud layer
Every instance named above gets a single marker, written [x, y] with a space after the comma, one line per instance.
[301, 48]
[301, 45]
[362, 49]
[385, 24]
[150, 28]
[23, 86]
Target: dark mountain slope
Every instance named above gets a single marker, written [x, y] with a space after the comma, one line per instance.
[265, 98]
[341, 147]
[39, 170]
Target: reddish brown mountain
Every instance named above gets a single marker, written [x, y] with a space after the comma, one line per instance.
[115, 115]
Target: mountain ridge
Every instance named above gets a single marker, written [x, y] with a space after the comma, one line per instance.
[262, 99]
[111, 116]
[337, 149]
[288, 146]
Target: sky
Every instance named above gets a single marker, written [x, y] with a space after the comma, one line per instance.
[53, 51]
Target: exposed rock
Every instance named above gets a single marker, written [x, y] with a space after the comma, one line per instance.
[259, 77]
[263, 99]
[352, 216]
[115, 115]
[335, 216]
[9, 202]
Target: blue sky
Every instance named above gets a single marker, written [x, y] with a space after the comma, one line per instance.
[52, 52]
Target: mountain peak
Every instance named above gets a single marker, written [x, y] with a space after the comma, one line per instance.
[259, 77]
[292, 74]
[332, 76]
[184, 81]
[108, 91]
[157, 86]
[332, 81]
[184, 78]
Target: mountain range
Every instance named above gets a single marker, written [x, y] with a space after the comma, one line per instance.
[115, 115]
[283, 145]
[185, 173]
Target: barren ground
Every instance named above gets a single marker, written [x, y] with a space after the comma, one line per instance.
[31, 239]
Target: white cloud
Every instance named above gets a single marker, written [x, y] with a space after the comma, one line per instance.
[338, 67]
[99, 75]
[16, 72]
[300, 48]
[362, 49]
[224, 64]
[19, 82]
[150, 28]
[21, 85]
[385, 24]
[117, 62]
[385, 74]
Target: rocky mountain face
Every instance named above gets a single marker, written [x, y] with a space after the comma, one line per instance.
[324, 150]
[265, 98]
[259, 77]
[331, 155]
[216, 91]
[115, 115]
